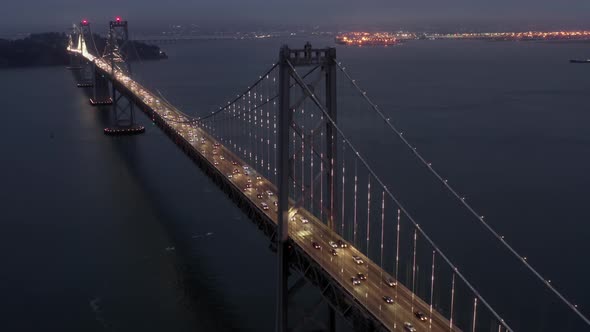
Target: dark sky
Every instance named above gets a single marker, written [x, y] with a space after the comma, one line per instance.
[36, 14]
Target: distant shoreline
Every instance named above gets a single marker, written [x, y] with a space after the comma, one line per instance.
[49, 49]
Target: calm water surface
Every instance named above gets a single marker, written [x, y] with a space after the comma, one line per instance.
[126, 234]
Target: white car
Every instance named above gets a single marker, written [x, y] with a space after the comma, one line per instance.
[333, 244]
[409, 327]
[264, 206]
[390, 282]
[269, 193]
[358, 260]
[304, 220]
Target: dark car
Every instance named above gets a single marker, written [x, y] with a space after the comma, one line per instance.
[316, 245]
[334, 252]
[361, 276]
[342, 244]
[355, 281]
[388, 299]
[420, 316]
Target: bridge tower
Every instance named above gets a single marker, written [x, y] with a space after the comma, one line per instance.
[73, 42]
[91, 76]
[86, 79]
[288, 60]
[116, 56]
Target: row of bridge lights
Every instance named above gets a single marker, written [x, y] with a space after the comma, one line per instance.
[245, 105]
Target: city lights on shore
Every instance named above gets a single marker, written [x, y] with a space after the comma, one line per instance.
[391, 38]
[367, 38]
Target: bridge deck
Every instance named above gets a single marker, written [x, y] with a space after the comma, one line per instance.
[340, 268]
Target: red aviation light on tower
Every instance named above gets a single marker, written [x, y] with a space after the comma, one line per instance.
[84, 22]
[118, 19]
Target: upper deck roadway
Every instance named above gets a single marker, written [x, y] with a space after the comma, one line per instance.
[341, 268]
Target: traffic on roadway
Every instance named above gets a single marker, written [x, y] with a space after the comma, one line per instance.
[389, 301]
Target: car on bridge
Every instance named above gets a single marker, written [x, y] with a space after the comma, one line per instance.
[342, 244]
[409, 327]
[304, 220]
[264, 206]
[355, 281]
[421, 316]
[333, 252]
[388, 299]
[333, 244]
[316, 245]
[361, 276]
[358, 260]
[390, 282]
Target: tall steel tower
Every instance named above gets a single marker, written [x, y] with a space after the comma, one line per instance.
[288, 60]
[115, 54]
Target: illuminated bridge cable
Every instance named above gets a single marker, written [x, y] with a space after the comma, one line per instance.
[461, 199]
[393, 197]
[211, 116]
[195, 119]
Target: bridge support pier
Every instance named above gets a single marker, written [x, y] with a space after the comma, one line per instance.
[100, 93]
[86, 78]
[123, 116]
[331, 320]
[74, 62]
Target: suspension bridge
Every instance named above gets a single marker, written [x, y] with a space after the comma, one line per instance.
[277, 151]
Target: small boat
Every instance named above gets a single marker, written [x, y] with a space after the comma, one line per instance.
[580, 61]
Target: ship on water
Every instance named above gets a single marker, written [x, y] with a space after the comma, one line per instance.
[366, 38]
[580, 61]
